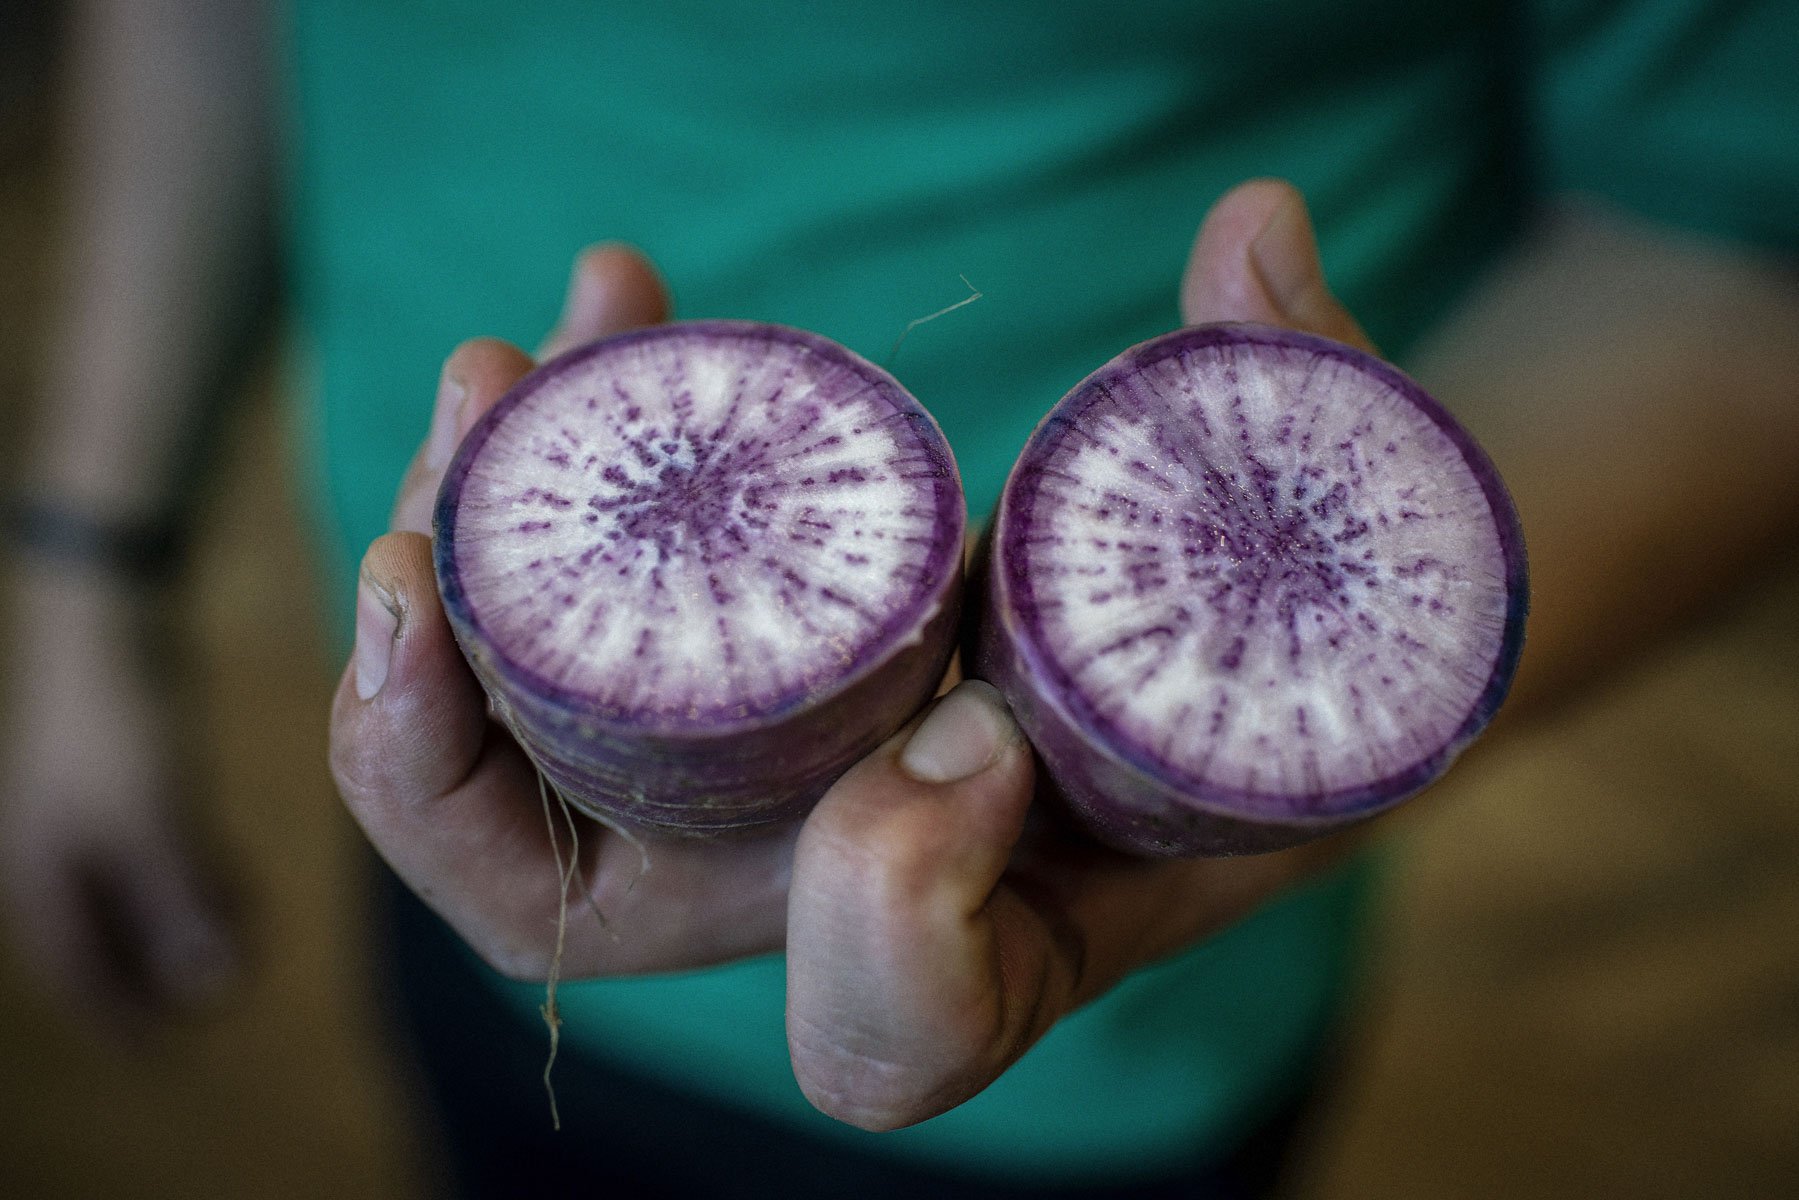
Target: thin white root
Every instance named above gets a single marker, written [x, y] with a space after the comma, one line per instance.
[570, 874]
[643, 851]
[574, 838]
[974, 294]
[552, 1016]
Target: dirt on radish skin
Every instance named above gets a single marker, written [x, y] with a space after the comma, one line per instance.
[703, 568]
[1247, 586]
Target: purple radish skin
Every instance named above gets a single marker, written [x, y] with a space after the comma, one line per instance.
[703, 568]
[1246, 587]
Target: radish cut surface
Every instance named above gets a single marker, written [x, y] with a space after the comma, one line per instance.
[1249, 585]
[703, 567]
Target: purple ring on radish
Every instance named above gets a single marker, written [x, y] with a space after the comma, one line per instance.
[1246, 586]
[703, 568]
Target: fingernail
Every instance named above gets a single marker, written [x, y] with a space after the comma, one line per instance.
[377, 624]
[961, 737]
[445, 417]
[1284, 257]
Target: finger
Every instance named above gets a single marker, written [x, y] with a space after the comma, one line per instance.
[458, 811]
[1256, 259]
[184, 942]
[87, 936]
[476, 374]
[902, 978]
[421, 769]
[612, 288]
[57, 933]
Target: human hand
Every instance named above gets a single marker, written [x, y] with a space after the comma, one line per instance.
[446, 795]
[109, 902]
[937, 924]
[933, 930]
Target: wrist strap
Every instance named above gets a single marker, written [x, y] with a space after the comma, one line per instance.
[147, 551]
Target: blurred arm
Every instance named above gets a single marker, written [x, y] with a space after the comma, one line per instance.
[1637, 389]
[162, 255]
[164, 239]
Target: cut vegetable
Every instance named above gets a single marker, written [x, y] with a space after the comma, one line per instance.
[703, 568]
[1247, 586]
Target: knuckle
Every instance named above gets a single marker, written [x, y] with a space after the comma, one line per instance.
[364, 765]
[877, 860]
[352, 769]
[400, 749]
[359, 771]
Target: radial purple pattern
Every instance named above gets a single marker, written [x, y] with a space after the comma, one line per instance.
[1259, 570]
[697, 532]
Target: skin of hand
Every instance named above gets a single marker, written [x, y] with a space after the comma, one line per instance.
[930, 938]
[448, 798]
[935, 931]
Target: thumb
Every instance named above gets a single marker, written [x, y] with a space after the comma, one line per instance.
[409, 720]
[1256, 259]
[896, 1005]
[417, 763]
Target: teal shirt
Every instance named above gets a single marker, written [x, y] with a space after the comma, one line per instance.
[845, 168]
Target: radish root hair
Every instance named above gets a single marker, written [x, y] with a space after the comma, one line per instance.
[552, 1016]
[643, 851]
[974, 294]
[566, 875]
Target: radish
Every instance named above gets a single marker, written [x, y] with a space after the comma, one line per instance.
[702, 568]
[1246, 586]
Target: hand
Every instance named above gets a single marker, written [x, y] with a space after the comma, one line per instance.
[933, 932]
[936, 929]
[450, 800]
[108, 901]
